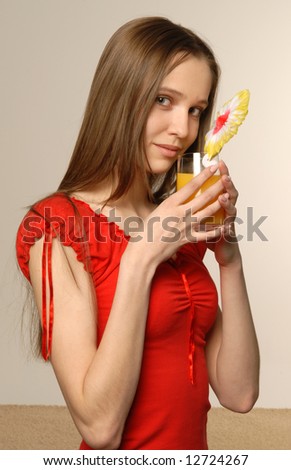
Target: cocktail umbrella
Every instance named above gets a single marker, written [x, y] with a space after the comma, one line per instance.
[227, 122]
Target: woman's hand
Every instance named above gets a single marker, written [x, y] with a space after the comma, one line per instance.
[174, 223]
[225, 247]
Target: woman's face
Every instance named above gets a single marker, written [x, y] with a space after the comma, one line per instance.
[173, 121]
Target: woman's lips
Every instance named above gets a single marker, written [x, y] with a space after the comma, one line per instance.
[168, 150]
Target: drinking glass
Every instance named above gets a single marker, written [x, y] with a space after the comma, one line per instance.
[190, 165]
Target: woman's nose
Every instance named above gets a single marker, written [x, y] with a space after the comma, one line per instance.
[179, 123]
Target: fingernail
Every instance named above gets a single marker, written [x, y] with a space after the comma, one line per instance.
[228, 178]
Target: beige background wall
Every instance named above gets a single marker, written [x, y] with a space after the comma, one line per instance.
[49, 50]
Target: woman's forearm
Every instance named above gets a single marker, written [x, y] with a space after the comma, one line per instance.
[238, 356]
[111, 381]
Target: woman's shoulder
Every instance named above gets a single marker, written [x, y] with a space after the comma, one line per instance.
[51, 217]
[52, 211]
[49, 212]
[56, 203]
[75, 224]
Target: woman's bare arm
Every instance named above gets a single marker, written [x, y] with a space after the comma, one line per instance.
[99, 384]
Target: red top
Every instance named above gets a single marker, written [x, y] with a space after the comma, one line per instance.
[171, 402]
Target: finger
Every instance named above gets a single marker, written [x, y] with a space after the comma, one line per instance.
[227, 182]
[205, 198]
[229, 188]
[203, 235]
[229, 231]
[215, 234]
[223, 169]
[193, 186]
[227, 205]
[200, 217]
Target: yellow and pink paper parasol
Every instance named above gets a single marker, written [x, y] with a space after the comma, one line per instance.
[226, 125]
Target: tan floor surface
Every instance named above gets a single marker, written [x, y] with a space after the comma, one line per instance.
[51, 427]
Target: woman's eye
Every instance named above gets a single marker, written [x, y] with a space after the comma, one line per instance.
[196, 112]
[163, 100]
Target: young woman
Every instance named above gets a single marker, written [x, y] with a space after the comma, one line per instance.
[129, 313]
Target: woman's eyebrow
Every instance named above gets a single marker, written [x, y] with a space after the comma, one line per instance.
[171, 90]
[180, 94]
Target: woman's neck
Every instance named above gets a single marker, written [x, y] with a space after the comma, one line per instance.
[134, 202]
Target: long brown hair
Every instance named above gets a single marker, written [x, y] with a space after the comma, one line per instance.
[133, 64]
[126, 83]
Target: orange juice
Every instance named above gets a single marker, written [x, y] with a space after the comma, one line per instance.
[184, 178]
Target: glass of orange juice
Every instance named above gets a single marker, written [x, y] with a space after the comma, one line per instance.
[190, 165]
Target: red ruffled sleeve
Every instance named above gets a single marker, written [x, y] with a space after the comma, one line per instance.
[53, 217]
